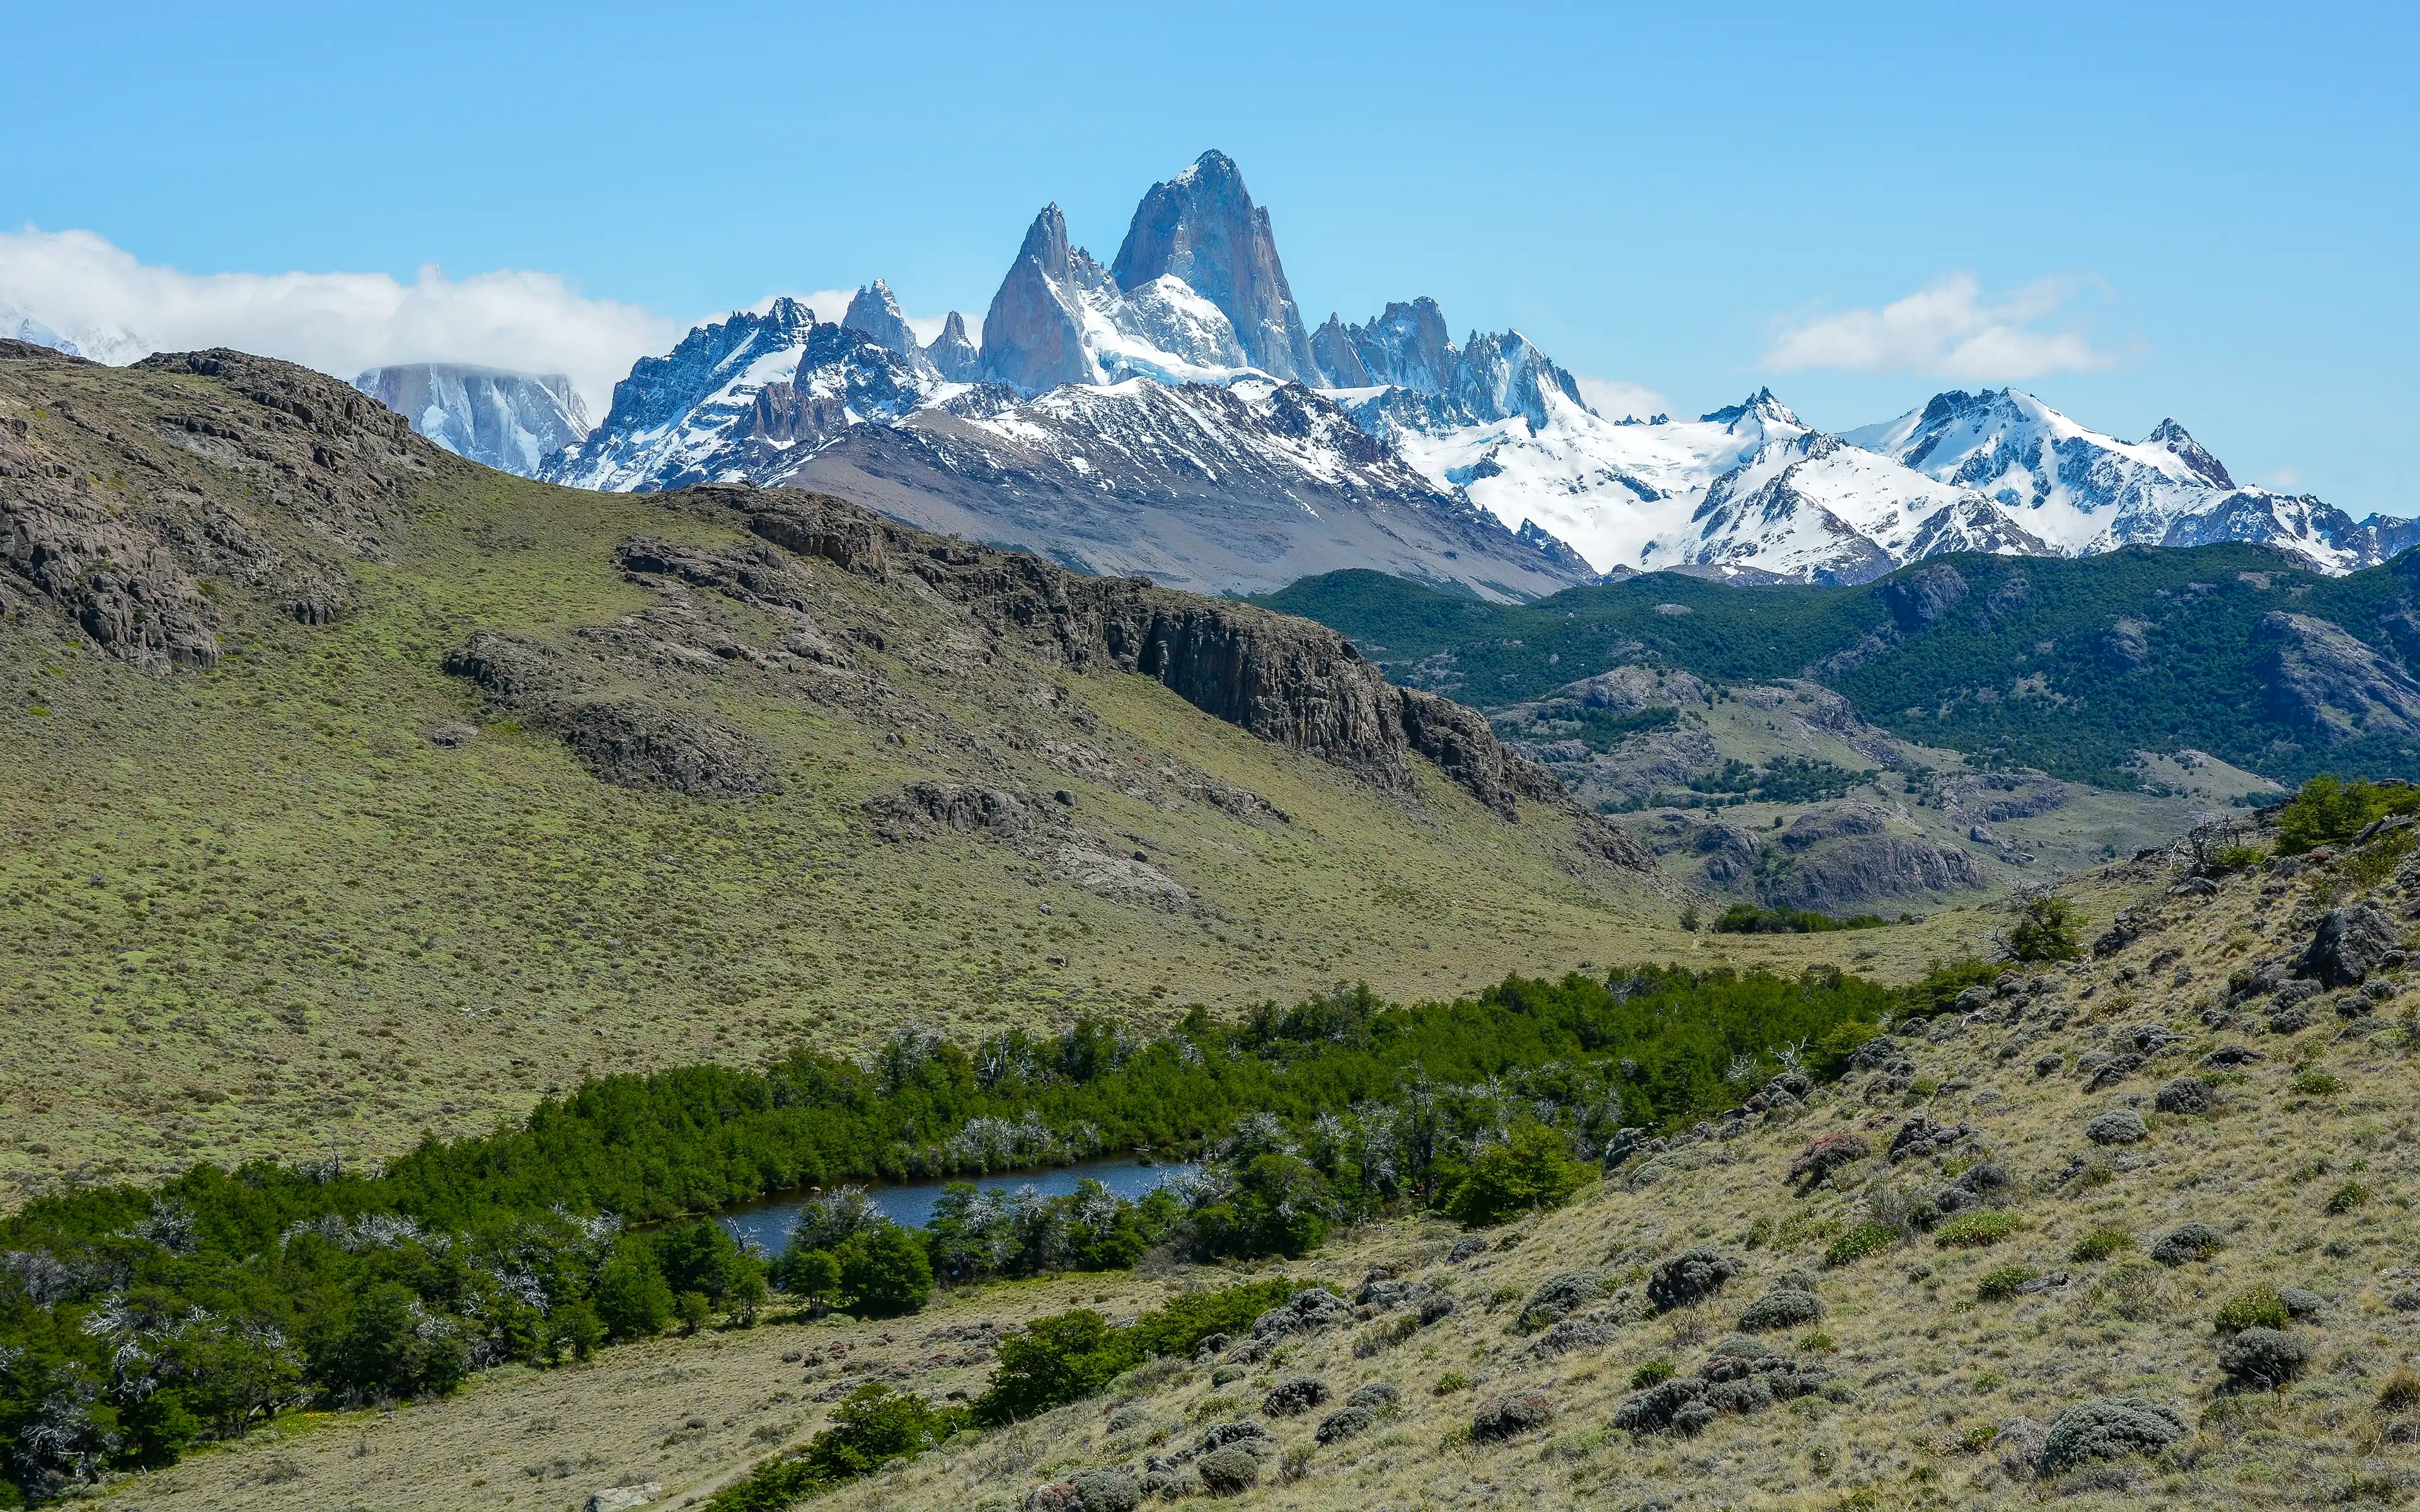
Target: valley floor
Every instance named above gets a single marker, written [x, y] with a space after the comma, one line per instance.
[1932, 1392]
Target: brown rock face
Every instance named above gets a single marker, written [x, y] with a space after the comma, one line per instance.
[1285, 679]
[269, 477]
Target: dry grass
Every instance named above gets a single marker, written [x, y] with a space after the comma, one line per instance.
[1928, 1373]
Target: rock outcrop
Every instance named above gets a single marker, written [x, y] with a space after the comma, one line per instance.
[270, 478]
[1285, 679]
[2319, 678]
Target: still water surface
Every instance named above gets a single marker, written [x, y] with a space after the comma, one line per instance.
[768, 1224]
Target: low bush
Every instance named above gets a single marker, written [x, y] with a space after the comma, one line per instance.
[871, 1428]
[2100, 1245]
[2401, 1391]
[2255, 1307]
[1747, 918]
[1858, 1242]
[2345, 1198]
[1653, 1373]
[2317, 1082]
[2002, 1284]
[1975, 1230]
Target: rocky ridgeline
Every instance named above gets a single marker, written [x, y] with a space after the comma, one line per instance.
[122, 491]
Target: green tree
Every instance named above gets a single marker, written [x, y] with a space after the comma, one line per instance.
[633, 1301]
[2328, 809]
[1057, 1360]
[1532, 1170]
[386, 1344]
[2046, 930]
[692, 1309]
[1279, 1207]
[884, 1271]
[809, 1274]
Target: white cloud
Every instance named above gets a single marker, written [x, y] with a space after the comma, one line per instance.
[117, 308]
[2285, 480]
[1946, 330]
[1614, 399]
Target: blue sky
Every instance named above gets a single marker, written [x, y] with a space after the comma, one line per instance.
[2205, 212]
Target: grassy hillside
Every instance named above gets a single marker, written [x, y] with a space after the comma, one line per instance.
[2071, 667]
[1944, 1352]
[255, 909]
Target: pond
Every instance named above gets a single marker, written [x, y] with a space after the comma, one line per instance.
[767, 1224]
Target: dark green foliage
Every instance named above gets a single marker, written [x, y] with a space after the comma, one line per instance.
[872, 1427]
[1783, 779]
[1073, 1355]
[1532, 1170]
[349, 1288]
[884, 1271]
[2046, 930]
[1941, 984]
[633, 1299]
[1747, 918]
[2013, 675]
[2327, 811]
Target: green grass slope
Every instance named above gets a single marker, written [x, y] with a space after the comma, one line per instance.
[254, 908]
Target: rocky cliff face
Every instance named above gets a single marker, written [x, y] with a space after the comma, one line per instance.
[512, 422]
[952, 354]
[270, 476]
[2321, 679]
[1285, 679]
[873, 312]
[1033, 334]
[1202, 227]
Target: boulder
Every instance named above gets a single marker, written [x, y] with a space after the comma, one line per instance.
[2350, 944]
[621, 1498]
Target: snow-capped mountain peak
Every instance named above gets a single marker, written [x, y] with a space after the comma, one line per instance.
[2171, 436]
[1202, 227]
[876, 313]
[1756, 411]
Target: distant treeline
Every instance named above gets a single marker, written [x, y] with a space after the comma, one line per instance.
[133, 1321]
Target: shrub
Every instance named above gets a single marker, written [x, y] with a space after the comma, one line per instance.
[2317, 1082]
[2329, 809]
[2134, 1289]
[2401, 1391]
[1690, 1277]
[884, 1272]
[1783, 1307]
[2188, 1242]
[1858, 1242]
[1345, 1423]
[2345, 1198]
[1975, 1230]
[1822, 1156]
[2256, 1307]
[1451, 1381]
[1294, 1397]
[812, 1276]
[2264, 1358]
[1532, 1170]
[2046, 931]
[1653, 1373]
[2107, 1428]
[1557, 1296]
[872, 1427]
[1512, 1414]
[1747, 918]
[692, 1310]
[2002, 1284]
[1060, 1359]
[2100, 1245]
[2236, 857]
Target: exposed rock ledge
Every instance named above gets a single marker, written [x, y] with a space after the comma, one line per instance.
[1285, 679]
